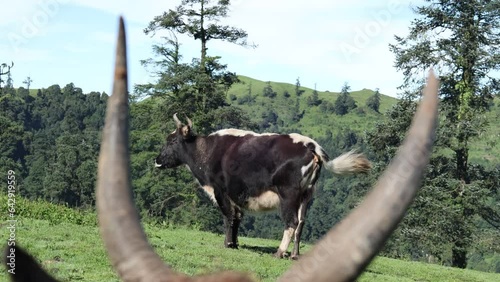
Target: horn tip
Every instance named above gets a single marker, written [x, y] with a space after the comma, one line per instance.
[121, 30]
[431, 89]
[120, 73]
[121, 21]
[431, 71]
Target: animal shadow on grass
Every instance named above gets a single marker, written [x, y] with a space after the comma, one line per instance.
[259, 249]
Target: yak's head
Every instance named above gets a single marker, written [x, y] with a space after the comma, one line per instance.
[171, 154]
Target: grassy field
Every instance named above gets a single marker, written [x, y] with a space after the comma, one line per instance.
[72, 250]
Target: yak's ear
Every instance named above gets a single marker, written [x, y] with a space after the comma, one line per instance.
[24, 268]
[186, 131]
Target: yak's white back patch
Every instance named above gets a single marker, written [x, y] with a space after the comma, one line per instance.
[239, 132]
[299, 138]
[264, 202]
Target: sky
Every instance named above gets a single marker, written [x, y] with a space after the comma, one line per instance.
[325, 43]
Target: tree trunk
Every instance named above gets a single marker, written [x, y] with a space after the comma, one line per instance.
[203, 37]
[462, 155]
[459, 255]
[460, 244]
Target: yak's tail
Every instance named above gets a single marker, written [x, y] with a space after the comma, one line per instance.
[349, 163]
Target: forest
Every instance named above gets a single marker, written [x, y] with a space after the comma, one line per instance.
[50, 137]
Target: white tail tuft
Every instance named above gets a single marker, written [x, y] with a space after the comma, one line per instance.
[349, 163]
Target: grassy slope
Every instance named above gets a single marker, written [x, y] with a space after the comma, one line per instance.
[75, 252]
[33, 92]
[486, 148]
[314, 123]
[359, 95]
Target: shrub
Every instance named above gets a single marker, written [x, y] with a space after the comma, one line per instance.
[42, 210]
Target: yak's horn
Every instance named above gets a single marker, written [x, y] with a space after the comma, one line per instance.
[190, 123]
[178, 123]
[131, 255]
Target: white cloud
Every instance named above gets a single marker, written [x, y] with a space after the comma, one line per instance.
[75, 48]
[16, 11]
[103, 37]
[24, 55]
[132, 10]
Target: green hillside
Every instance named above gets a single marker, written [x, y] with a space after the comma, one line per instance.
[314, 121]
[257, 87]
[486, 149]
[71, 250]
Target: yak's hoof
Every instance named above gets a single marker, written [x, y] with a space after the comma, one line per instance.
[295, 257]
[280, 254]
[232, 245]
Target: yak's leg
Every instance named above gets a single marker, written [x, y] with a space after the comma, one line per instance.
[302, 217]
[289, 213]
[230, 240]
[228, 212]
[237, 216]
[285, 242]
